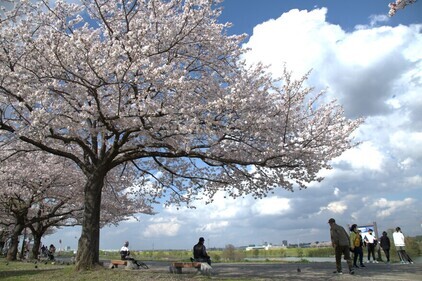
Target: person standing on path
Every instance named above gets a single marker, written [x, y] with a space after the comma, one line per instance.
[398, 239]
[371, 242]
[356, 246]
[385, 245]
[341, 243]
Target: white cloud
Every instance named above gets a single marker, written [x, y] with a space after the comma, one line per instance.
[338, 207]
[365, 156]
[300, 39]
[414, 180]
[386, 208]
[162, 228]
[336, 191]
[407, 143]
[214, 227]
[271, 206]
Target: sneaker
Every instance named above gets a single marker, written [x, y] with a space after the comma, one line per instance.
[375, 261]
[338, 272]
[362, 265]
[352, 272]
[368, 261]
[355, 266]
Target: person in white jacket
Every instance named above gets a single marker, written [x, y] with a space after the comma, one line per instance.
[398, 238]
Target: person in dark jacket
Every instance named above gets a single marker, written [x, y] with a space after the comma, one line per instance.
[385, 245]
[200, 252]
[341, 243]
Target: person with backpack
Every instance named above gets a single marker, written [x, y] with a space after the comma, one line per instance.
[356, 246]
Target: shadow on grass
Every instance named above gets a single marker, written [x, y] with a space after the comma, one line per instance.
[27, 272]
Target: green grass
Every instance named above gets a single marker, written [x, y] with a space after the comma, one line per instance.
[26, 271]
[40, 271]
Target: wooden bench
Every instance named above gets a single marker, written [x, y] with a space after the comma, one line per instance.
[176, 267]
[116, 263]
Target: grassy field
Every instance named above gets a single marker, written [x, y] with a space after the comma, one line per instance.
[29, 271]
[47, 271]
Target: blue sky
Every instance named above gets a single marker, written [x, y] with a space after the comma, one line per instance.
[372, 65]
[245, 15]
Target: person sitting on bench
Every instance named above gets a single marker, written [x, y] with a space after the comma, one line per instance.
[200, 252]
[125, 254]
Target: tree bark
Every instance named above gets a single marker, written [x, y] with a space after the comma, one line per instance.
[14, 242]
[89, 242]
[35, 252]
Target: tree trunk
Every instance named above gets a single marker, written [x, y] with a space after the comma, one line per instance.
[89, 242]
[14, 243]
[36, 247]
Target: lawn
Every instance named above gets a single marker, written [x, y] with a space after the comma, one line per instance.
[29, 271]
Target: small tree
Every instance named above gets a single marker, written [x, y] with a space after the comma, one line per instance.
[229, 253]
[158, 85]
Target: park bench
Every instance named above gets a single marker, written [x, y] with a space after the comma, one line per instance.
[128, 263]
[176, 267]
[116, 263]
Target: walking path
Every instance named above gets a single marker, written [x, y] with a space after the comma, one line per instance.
[304, 271]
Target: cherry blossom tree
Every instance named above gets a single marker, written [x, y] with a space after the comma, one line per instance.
[42, 191]
[38, 192]
[160, 87]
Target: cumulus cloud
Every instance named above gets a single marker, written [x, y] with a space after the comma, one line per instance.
[162, 227]
[387, 208]
[338, 207]
[366, 156]
[271, 206]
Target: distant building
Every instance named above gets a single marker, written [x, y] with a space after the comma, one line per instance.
[285, 243]
[266, 246]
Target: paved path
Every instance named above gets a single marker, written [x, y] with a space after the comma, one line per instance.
[307, 271]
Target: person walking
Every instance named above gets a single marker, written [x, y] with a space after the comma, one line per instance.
[398, 239]
[341, 243]
[385, 245]
[356, 246]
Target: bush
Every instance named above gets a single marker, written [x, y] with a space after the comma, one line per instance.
[321, 252]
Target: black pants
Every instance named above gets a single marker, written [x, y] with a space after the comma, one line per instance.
[371, 250]
[387, 253]
[205, 259]
[358, 253]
